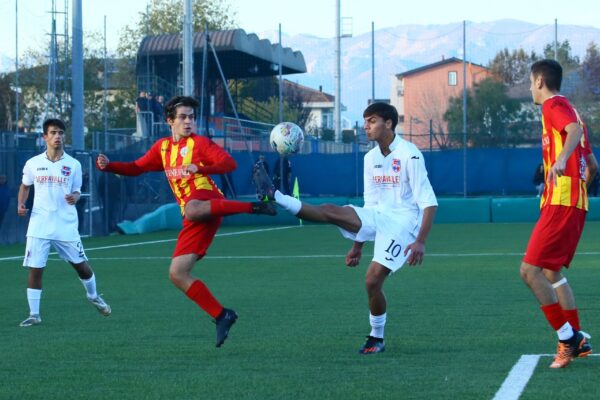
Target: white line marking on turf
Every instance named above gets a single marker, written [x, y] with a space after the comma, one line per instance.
[589, 253]
[498, 254]
[583, 253]
[269, 257]
[165, 241]
[519, 376]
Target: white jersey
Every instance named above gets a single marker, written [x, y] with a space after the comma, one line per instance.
[398, 182]
[51, 216]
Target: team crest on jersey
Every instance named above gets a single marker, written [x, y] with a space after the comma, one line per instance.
[396, 165]
[183, 152]
[66, 171]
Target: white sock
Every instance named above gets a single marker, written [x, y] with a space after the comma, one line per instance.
[33, 298]
[565, 332]
[90, 286]
[291, 204]
[377, 325]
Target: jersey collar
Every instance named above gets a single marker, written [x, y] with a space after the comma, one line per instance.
[395, 143]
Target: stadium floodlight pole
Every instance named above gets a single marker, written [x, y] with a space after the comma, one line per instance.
[338, 74]
[188, 50]
[105, 87]
[203, 77]
[16, 70]
[372, 61]
[232, 103]
[279, 51]
[147, 88]
[77, 77]
[556, 39]
[464, 108]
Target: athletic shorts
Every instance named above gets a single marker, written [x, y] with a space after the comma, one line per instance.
[37, 250]
[196, 237]
[391, 232]
[554, 238]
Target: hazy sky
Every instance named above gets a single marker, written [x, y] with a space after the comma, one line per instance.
[316, 17]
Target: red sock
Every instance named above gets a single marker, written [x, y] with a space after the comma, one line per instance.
[554, 315]
[200, 294]
[573, 317]
[222, 207]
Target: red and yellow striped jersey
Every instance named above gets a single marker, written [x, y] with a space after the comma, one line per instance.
[174, 157]
[570, 189]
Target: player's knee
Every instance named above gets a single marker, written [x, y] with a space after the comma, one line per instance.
[527, 273]
[197, 211]
[176, 276]
[372, 283]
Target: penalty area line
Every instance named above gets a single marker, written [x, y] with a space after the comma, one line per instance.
[519, 376]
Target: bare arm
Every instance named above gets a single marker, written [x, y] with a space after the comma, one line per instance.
[417, 248]
[21, 199]
[591, 169]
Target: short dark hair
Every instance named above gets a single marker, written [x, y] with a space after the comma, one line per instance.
[551, 73]
[383, 110]
[177, 101]
[53, 122]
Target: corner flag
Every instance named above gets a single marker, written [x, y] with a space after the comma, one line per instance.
[296, 193]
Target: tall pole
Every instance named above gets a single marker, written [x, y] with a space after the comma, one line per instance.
[203, 76]
[279, 50]
[188, 50]
[556, 39]
[16, 68]
[372, 61]
[465, 108]
[338, 75]
[105, 86]
[77, 77]
[147, 88]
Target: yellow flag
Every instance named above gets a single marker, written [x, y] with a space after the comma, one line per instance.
[296, 190]
[296, 193]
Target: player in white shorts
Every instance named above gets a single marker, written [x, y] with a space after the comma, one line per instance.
[56, 178]
[399, 209]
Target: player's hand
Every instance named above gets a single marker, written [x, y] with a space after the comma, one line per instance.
[192, 168]
[558, 169]
[417, 251]
[21, 210]
[72, 198]
[353, 257]
[102, 161]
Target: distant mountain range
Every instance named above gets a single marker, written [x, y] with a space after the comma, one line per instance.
[405, 47]
[6, 63]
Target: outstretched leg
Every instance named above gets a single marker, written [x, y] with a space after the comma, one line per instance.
[204, 210]
[344, 217]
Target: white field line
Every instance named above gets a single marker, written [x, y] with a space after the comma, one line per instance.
[164, 241]
[589, 253]
[497, 254]
[519, 375]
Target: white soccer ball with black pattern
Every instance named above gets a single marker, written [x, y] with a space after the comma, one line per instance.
[286, 138]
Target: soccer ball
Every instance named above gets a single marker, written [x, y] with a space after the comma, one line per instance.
[286, 138]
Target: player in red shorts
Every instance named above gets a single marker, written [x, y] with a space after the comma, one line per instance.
[568, 164]
[187, 160]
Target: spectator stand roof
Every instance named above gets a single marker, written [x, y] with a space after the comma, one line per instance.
[240, 55]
